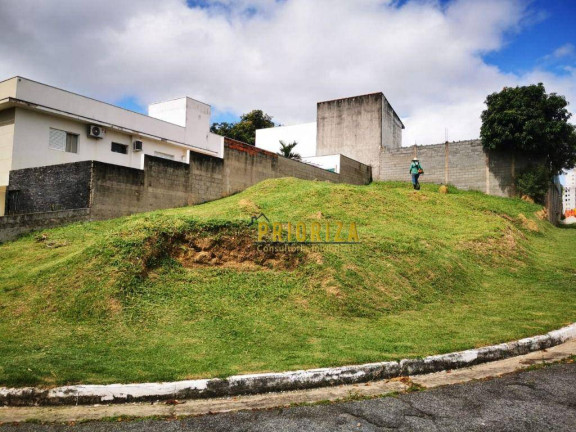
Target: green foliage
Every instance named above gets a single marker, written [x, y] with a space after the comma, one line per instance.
[245, 129]
[534, 182]
[528, 120]
[434, 273]
[286, 150]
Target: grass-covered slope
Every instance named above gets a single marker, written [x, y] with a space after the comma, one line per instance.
[181, 293]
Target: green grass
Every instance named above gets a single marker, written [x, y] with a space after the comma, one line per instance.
[106, 302]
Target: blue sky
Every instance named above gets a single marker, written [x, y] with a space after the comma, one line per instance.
[553, 25]
[435, 60]
[549, 26]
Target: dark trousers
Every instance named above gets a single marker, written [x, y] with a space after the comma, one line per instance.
[415, 181]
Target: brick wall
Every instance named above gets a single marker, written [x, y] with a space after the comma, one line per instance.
[49, 188]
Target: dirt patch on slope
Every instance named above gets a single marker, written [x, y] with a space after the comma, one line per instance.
[494, 248]
[528, 224]
[236, 250]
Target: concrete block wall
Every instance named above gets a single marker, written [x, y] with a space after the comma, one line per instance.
[464, 164]
[292, 168]
[354, 172]
[206, 178]
[14, 225]
[120, 191]
[116, 190]
[49, 188]
[246, 165]
[107, 191]
[166, 183]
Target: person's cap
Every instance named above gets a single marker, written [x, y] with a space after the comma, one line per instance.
[415, 159]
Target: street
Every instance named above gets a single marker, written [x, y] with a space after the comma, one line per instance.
[537, 400]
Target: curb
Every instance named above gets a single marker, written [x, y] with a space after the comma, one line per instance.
[282, 381]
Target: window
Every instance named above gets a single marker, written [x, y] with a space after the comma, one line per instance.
[63, 141]
[119, 148]
[163, 155]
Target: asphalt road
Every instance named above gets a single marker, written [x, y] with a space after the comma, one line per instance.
[539, 400]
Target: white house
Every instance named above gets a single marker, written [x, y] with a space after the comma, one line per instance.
[42, 125]
[569, 196]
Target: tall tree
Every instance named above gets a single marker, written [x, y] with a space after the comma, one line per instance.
[286, 150]
[245, 129]
[528, 120]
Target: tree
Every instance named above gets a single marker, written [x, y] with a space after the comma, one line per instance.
[527, 120]
[224, 129]
[245, 129]
[286, 150]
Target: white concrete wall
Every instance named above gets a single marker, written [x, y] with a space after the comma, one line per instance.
[8, 88]
[304, 134]
[329, 162]
[173, 111]
[216, 143]
[99, 112]
[198, 123]
[6, 141]
[391, 127]
[31, 149]
[191, 114]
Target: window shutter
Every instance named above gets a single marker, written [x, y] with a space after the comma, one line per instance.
[57, 140]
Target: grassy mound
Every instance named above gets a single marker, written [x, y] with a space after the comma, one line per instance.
[185, 293]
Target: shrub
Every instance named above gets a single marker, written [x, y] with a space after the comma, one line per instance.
[534, 182]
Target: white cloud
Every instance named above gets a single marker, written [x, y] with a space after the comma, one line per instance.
[565, 50]
[281, 57]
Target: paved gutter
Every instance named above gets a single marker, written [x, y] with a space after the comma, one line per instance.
[472, 364]
[65, 414]
[275, 382]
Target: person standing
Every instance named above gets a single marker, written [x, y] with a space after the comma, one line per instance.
[415, 171]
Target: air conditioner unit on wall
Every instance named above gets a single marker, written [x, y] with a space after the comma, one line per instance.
[96, 131]
[137, 146]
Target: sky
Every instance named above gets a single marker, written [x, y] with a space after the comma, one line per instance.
[436, 61]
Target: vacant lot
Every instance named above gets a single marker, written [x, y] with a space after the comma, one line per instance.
[185, 293]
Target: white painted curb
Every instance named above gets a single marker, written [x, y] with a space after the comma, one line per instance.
[282, 381]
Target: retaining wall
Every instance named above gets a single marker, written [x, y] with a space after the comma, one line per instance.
[107, 191]
[49, 188]
[246, 165]
[120, 191]
[206, 178]
[14, 225]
